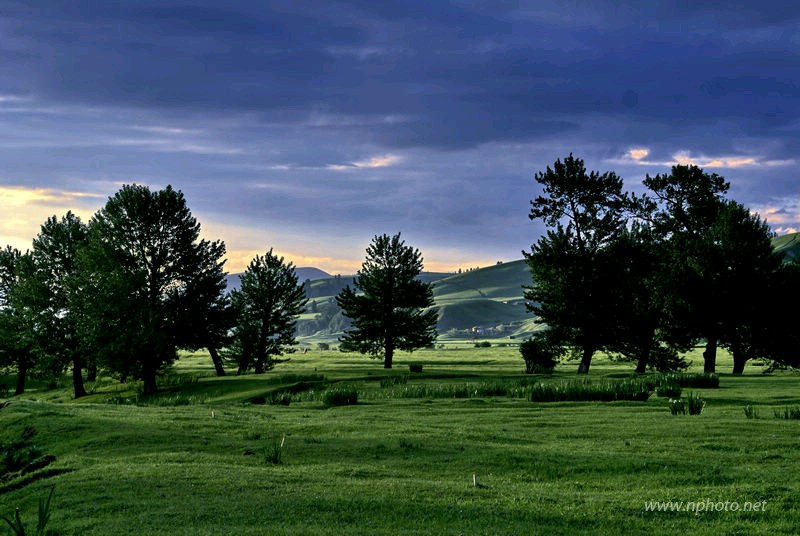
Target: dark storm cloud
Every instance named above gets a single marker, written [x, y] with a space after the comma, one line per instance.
[429, 116]
[456, 74]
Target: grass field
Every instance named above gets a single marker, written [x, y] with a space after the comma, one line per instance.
[199, 458]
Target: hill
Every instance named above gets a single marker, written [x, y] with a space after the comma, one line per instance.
[303, 274]
[788, 244]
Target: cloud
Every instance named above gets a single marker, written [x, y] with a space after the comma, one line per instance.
[638, 156]
[26, 209]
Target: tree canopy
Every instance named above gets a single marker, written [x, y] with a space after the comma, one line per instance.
[266, 306]
[389, 307]
[141, 267]
[572, 267]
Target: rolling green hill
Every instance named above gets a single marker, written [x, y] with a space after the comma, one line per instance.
[788, 244]
[484, 302]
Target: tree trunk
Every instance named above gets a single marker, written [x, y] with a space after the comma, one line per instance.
[586, 360]
[738, 363]
[388, 355]
[77, 377]
[216, 359]
[22, 372]
[91, 372]
[710, 356]
[644, 358]
[149, 379]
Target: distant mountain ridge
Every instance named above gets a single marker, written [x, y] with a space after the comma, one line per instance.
[304, 273]
[482, 302]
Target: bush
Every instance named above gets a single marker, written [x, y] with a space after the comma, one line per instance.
[415, 367]
[750, 412]
[483, 344]
[340, 396]
[540, 355]
[323, 346]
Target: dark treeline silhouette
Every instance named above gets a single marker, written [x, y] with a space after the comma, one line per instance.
[648, 277]
[642, 277]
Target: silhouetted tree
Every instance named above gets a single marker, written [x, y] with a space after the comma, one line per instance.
[47, 296]
[15, 343]
[141, 270]
[267, 306]
[572, 266]
[388, 303]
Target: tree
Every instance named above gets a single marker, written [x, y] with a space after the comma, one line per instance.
[140, 278]
[15, 345]
[571, 265]
[744, 264]
[388, 303]
[46, 296]
[690, 202]
[267, 306]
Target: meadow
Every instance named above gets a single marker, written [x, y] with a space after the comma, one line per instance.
[263, 455]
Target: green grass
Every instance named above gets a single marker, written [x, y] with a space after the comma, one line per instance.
[392, 465]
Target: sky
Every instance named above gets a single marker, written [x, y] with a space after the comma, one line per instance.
[312, 126]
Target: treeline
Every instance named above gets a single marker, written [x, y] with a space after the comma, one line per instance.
[648, 277]
[129, 289]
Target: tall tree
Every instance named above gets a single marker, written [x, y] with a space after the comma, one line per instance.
[141, 267]
[390, 308]
[47, 296]
[690, 201]
[743, 262]
[571, 265]
[15, 344]
[267, 306]
[639, 300]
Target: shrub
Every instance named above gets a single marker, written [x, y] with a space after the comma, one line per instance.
[750, 412]
[415, 367]
[540, 354]
[340, 396]
[483, 344]
[685, 379]
[323, 346]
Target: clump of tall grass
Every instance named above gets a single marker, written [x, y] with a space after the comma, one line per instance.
[340, 395]
[788, 413]
[273, 453]
[454, 390]
[159, 400]
[669, 390]
[391, 381]
[693, 405]
[589, 391]
[694, 380]
[18, 527]
[750, 412]
[296, 378]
